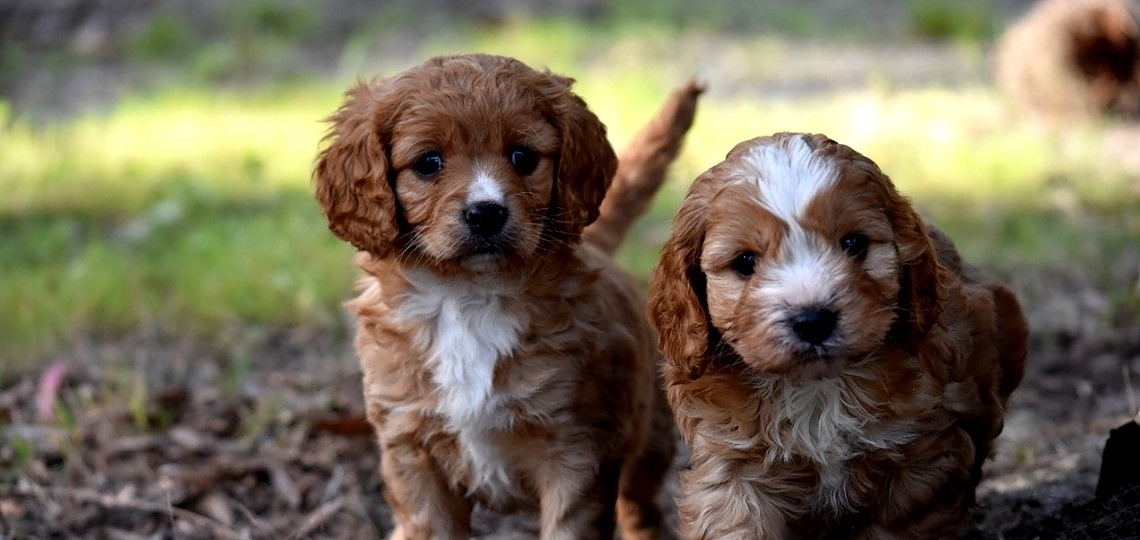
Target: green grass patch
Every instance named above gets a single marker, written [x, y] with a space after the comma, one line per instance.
[186, 214]
[166, 36]
[960, 20]
[190, 211]
[256, 36]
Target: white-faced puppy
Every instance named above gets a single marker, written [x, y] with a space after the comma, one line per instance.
[507, 360]
[837, 369]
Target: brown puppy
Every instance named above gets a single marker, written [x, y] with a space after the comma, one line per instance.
[506, 358]
[1072, 57]
[837, 369]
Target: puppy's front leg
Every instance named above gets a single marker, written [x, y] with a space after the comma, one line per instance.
[424, 506]
[717, 504]
[577, 503]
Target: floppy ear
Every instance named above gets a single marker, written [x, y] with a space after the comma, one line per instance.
[585, 164]
[919, 299]
[920, 279]
[678, 306]
[351, 174]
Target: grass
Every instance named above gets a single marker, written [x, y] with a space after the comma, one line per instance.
[189, 211]
[963, 20]
[135, 218]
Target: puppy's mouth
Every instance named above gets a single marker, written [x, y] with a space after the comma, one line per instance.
[814, 363]
[481, 246]
[484, 255]
[792, 357]
[487, 242]
[813, 353]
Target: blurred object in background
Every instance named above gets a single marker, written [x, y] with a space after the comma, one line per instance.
[1073, 57]
[1120, 465]
[88, 30]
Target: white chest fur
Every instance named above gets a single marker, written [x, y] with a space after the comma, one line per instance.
[825, 421]
[464, 329]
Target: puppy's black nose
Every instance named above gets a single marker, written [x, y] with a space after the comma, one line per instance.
[485, 218]
[814, 325]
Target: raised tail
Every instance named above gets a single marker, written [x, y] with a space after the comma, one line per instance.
[642, 167]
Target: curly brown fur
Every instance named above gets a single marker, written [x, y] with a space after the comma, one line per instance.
[836, 368]
[1073, 57]
[507, 360]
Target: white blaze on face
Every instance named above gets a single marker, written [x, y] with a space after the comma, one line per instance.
[788, 177]
[807, 273]
[485, 188]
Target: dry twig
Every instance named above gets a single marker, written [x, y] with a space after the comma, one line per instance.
[217, 530]
[318, 517]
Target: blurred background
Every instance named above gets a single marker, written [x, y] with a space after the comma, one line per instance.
[174, 358]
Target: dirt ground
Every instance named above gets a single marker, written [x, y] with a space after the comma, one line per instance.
[283, 451]
[269, 441]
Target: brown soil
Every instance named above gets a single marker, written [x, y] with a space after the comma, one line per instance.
[165, 437]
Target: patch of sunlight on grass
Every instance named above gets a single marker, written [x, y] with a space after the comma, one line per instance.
[560, 45]
[184, 212]
[243, 146]
[932, 143]
[192, 212]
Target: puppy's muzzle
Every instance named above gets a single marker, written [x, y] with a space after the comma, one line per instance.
[485, 218]
[814, 325]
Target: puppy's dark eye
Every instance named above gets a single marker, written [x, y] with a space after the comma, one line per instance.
[855, 245]
[744, 264]
[429, 164]
[523, 159]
